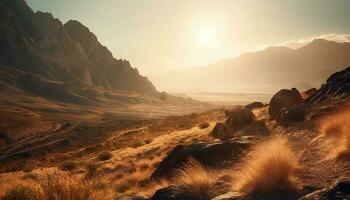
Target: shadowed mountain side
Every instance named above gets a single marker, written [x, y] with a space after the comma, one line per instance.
[40, 44]
[264, 71]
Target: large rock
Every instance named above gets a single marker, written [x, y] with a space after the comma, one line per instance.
[239, 118]
[236, 119]
[284, 99]
[175, 193]
[292, 115]
[210, 154]
[220, 131]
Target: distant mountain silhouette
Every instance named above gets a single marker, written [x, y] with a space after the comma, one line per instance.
[41, 56]
[267, 70]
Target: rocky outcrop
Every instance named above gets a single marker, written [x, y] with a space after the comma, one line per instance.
[38, 45]
[210, 154]
[339, 190]
[337, 86]
[284, 99]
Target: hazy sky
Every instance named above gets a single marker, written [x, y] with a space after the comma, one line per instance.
[161, 35]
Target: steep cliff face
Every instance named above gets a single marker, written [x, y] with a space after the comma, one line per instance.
[37, 44]
[115, 74]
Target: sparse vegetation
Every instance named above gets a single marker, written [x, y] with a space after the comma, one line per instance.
[196, 178]
[21, 193]
[57, 185]
[270, 168]
[336, 130]
[91, 169]
[104, 155]
[68, 165]
[203, 125]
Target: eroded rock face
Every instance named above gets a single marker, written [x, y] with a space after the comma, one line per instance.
[210, 154]
[339, 190]
[337, 86]
[284, 99]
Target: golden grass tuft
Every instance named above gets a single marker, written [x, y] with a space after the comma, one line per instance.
[269, 169]
[195, 177]
[336, 129]
[57, 185]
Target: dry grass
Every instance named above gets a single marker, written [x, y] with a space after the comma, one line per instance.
[57, 185]
[195, 177]
[21, 193]
[336, 129]
[269, 169]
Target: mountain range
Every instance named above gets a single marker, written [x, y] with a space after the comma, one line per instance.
[264, 71]
[40, 56]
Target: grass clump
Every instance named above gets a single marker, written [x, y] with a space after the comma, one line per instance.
[203, 125]
[57, 185]
[21, 193]
[336, 129]
[196, 178]
[104, 155]
[269, 169]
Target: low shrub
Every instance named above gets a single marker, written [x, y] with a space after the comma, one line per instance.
[104, 155]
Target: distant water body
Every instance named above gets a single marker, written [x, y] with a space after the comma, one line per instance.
[229, 98]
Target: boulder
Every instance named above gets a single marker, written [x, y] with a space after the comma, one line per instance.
[175, 193]
[254, 105]
[239, 118]
[220, 131]
[292, 115]
[284, 99]
[236, 120]
[210, 154]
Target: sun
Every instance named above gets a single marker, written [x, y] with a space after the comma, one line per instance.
[206, 37]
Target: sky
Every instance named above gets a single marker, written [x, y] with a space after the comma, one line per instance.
[157, 36]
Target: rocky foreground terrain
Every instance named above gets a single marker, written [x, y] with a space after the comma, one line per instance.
[295, 147]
